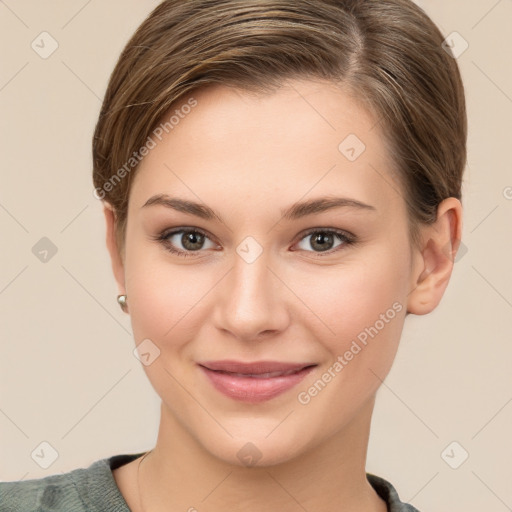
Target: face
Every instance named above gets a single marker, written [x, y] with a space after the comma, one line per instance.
[262, 279]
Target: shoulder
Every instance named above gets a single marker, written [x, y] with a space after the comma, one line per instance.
[80, 490]
[55, 492]
[389, 494]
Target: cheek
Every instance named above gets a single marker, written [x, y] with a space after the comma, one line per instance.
[166, 300]
[362, 308]
[162, 300]
[165, 307]
[361, 302]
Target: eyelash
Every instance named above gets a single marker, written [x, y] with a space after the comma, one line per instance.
[347, 239]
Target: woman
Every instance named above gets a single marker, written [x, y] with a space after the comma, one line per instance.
[281, 183]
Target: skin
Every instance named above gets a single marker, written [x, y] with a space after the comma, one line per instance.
[247, 157]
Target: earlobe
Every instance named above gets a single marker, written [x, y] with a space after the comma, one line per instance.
[434, 265]
[115, 257]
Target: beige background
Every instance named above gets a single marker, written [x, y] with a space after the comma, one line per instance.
[67, 372]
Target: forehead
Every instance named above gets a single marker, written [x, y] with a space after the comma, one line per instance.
[307, 137]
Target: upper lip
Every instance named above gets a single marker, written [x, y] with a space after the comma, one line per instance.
[253, 368]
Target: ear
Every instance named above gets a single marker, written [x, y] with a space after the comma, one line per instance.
[433, 262]
[115, 256]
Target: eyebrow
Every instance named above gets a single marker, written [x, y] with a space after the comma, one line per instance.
[295, 211]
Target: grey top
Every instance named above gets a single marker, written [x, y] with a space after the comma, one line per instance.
[93, 489]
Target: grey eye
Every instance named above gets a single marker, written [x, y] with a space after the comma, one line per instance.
[322, 241]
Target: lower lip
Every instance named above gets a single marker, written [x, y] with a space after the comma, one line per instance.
[253, 389]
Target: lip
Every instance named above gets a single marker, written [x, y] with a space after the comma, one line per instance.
[254, 368]
[254, 382]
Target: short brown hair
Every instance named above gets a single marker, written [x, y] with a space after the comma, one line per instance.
[387, 52]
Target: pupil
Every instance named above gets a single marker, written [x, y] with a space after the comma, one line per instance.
[191, 239]
[322, 240]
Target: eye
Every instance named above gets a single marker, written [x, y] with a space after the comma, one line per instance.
[191, 240]
[324, 239]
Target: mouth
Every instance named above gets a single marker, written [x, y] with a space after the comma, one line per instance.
[259, 375]
[263, 369]
[254, 382]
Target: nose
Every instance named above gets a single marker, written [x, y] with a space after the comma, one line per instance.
[252, 300]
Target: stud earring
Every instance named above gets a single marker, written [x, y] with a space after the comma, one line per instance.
[121, 299]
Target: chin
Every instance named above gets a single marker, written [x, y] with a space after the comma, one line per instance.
[259, 450]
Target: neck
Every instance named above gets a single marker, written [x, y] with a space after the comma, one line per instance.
[179, 474]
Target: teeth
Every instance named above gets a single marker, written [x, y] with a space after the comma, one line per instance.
[262, 375]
